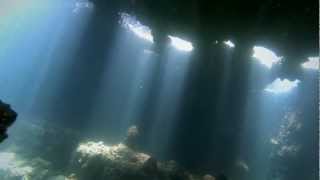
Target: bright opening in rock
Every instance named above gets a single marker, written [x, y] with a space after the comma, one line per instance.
[181, 44]
[136, 27]
[265, 56]
[279, 86]
[229, 44]
[312, 63]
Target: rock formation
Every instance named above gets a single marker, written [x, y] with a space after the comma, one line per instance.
[7, 118]
[99, 161]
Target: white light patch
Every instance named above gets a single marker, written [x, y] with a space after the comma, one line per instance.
[243, 165]
[181, 44]
[229, 44]
[149, 52]
[312, 63]
[274, 141]
[266, 56]
[136, 27]
[84, 4]
[279, 86]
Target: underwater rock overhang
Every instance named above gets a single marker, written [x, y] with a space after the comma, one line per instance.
[291, 27]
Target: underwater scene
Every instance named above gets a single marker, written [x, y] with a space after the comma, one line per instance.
[159, 90]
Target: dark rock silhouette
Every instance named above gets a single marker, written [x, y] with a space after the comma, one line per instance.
[7, 118]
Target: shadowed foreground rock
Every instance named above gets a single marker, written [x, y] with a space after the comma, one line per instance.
[7, 118]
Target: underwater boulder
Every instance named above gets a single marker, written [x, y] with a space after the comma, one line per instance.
[96, 160]
[100, 161]
[7, 118]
